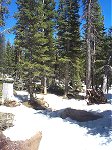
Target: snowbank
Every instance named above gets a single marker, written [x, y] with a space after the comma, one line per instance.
[62, 134]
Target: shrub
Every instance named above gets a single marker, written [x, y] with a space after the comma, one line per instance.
[55, 89]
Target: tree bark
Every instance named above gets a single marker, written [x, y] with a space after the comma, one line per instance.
[104, 84]
[31, 89]
[31, 78]
[66, 79]
[93, 62]
[88, 65]
[45, 85]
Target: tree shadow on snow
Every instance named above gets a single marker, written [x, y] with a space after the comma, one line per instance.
[109, 97]
[22, 98]
[101, 125]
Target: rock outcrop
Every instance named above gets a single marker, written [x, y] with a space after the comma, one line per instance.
[29, 144]
[79, 115]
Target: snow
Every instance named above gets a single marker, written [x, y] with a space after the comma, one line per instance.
[62, 134]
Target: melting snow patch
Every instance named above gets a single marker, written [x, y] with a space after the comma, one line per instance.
[62, 134]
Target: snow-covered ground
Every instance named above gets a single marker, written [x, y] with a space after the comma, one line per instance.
[62, 134]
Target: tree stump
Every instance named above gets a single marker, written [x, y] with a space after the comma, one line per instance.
[7, 91]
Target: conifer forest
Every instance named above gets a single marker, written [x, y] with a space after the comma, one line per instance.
[58, 46]
[55, 74]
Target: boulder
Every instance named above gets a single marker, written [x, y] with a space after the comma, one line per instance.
[29, 144]
[79, 115]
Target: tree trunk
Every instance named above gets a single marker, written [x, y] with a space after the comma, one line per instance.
[104, 84]
[45, 85]
[31, 78]
[88, 65]
[88, 71]
[66, 79]
[31, 89]
[42, 85]
[93, 63]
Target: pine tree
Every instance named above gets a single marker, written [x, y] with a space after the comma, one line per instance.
[26, 30]
[94, 29]
[2, 48]
[68, 36]
[99, 33]
[105, 62]
[49, 20]
[3, 13]
[9, 59]
[34, 38]
[110, 54]
[3, 10]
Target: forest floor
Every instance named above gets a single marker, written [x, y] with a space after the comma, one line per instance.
[58, 133]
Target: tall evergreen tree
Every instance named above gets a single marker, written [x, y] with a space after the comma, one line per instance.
[2, 48]
[68, 36]
[94, 29]
[26, 35]
[49, 20]
[3, 12]
[9, 59]
[34, 38]
[104, 62]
